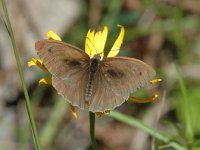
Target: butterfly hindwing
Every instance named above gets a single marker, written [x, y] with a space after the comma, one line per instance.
[116, 78]
[73, 88]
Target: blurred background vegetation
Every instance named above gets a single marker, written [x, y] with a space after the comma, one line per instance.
[163, 33]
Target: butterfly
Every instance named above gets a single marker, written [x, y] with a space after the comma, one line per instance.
[91, 83]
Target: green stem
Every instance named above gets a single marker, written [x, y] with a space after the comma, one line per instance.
[92, 130]
[16, 52]
[138, 124]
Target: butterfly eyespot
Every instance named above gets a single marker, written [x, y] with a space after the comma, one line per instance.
[49, 50]
[115, 73]
[65, 60]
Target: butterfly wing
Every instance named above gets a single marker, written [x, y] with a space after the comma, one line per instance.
[61, 59]
[73, 88]
[69, 67]
[116, 78]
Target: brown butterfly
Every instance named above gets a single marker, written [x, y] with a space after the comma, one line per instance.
[91, 83]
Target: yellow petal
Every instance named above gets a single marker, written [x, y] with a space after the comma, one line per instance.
[37, 62]
[99, 114]
[52, 36]
[46, 80]
[31, 63]
[72, 109]
[116, 47]
[145, 100]
[155, 81]
[89, 43]
[102, 40]
[95, 42]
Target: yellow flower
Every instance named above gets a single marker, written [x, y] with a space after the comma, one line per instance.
[94, 44]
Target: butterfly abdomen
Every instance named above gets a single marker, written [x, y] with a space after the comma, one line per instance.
[89, 88]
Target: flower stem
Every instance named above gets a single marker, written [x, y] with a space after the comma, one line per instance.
[16, 52]
[92, 130]
[138, 124]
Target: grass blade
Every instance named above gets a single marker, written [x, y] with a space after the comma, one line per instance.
[16, 52]
[138, 124]
[186, 105]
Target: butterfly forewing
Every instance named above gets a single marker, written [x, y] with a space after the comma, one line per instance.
[61, 59]
[69, 67]
[116, 78]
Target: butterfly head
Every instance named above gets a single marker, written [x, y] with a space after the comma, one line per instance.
[97, 56]
[95, 61]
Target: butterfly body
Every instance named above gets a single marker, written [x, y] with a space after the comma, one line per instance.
[90, 83]
[94, 64]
